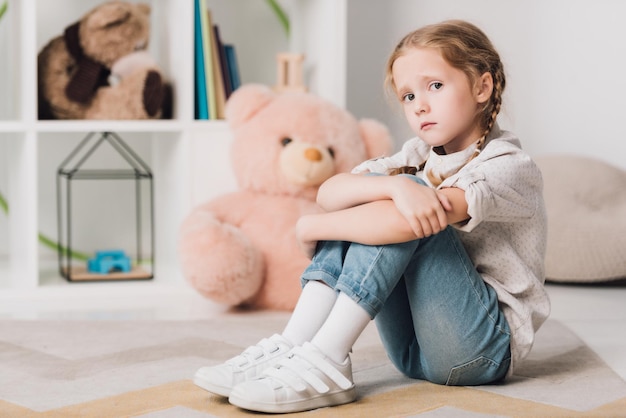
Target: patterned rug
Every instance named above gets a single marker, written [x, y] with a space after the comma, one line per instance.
[143, 369]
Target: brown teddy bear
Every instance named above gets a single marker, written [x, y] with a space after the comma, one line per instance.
[96, 69]
[240, 249]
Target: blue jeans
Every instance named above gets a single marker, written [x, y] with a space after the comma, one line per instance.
[438, 320]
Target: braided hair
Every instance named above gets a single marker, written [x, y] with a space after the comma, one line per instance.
[467, 48]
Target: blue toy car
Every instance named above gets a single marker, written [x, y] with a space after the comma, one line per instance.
[109, 261]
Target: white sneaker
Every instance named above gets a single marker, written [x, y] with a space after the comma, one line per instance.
[305, 379]
[248, 365]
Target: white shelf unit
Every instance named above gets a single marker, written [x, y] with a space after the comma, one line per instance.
[189, 158]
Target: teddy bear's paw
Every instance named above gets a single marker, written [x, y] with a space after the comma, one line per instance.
[219, 261]
[224, 279]
[153, 93]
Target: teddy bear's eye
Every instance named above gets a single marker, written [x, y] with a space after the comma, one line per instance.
[286, 141]
[331, 151]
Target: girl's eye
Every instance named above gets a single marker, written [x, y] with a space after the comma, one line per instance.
[409, 97]
[285, 141]
[436, 85]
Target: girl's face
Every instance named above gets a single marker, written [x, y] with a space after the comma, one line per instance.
[439, 103]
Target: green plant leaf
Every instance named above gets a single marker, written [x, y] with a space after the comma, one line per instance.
[281, 15]
[3, 204]
[3, 8]
[78, 255]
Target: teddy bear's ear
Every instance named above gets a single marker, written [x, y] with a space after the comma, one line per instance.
[108, 14]
[246, 101]
[89, 74]
[144, 8]
[377, 139]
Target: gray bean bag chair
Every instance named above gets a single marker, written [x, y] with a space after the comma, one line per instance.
[586, 206]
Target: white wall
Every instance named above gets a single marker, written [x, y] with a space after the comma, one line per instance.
[565, 62]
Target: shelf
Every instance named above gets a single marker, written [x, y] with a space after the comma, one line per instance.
[12, 126]
[189, 158]
[109, 126]
[156, 126]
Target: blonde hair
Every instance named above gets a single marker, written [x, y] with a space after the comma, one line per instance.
[466, 48]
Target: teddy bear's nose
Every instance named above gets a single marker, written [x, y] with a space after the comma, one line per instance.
[312, 154]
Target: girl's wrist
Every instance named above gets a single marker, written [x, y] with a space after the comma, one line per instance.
[399, 186]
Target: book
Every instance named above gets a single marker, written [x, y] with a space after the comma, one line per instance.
[218, 79]
[200, 92]
[233, 66]
[228, 89]
[207, 43]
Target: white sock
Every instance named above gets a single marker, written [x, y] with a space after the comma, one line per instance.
[312, 309]
[342, 328]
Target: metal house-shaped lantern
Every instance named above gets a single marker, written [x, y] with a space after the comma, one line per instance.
[134, 184]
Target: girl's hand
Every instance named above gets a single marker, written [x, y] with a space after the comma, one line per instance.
[306, 245]
[424, 208]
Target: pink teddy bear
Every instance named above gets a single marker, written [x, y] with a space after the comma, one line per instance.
[240, 249]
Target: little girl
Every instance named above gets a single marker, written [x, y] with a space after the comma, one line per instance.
[447, 256]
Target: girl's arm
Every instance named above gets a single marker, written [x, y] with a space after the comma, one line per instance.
[346, 190]
[420, 205]
[413, 211]
[426, 210]
[374, 223]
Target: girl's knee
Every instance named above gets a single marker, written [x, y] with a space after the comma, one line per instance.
[478, 371]
[414, 178]
[408, 366]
